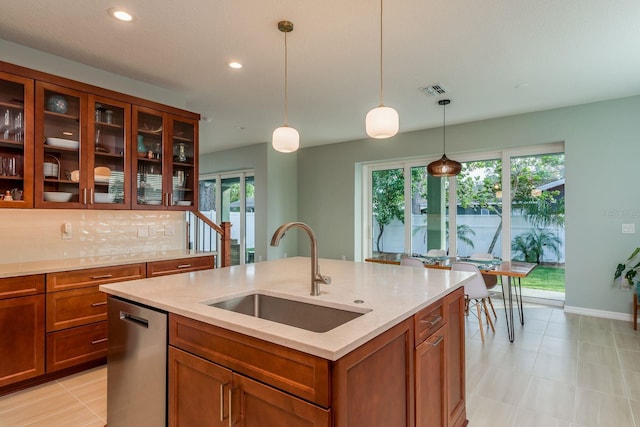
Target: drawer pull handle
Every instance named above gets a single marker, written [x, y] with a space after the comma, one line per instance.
[99, 341]
[102, 276]
[184, 266]
[437, 341]
[98, 304]
[222, 386]
[434, 321]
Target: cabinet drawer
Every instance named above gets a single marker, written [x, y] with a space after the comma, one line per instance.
[94, 276]
[21, 286]
[76, 345]
[75, 308]
[293, 371]
[427, 321]
[182, 265]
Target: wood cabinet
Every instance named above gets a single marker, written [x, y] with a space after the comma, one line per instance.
[77, 313]
[66, 144]
[22, 330]
[439, 354]
[180, 265]
[16, 141]
[165, 160]
[205, 393]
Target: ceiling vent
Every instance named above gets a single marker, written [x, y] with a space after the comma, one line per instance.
[434, 90]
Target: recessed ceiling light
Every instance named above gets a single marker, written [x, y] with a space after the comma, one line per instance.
[235, 65]
[121, 15]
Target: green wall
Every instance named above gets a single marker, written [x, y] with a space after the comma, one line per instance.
[602, 150]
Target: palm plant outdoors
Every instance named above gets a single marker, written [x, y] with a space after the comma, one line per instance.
[532, 245]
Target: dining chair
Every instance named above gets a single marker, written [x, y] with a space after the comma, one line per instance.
[475, 290]
[411, 262]
[490, 280]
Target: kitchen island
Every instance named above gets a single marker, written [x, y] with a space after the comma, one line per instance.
[399, 363]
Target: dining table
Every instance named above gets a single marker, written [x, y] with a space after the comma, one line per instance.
[512, 270]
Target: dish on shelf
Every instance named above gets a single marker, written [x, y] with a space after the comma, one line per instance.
[62, 143]
[50, 170]
[183, 203]
[152, 202]
[101, 178]
[57, 196]
[104, 197]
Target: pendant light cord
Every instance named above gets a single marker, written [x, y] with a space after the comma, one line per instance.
[444, 129]
[285, 80]
[381, 89]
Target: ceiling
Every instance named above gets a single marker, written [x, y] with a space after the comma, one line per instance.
[494, 57]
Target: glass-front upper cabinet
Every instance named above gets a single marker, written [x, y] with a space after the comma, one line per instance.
[16, 141]
[148, 150]
[184, 178]
[60, 176]
[108, 177]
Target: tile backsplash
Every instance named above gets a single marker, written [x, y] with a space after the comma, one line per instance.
[37, 234]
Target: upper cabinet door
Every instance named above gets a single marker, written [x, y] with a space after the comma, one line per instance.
[60, 143]
[109, 159]
[184, 175]
[16, 141]
[148, 152]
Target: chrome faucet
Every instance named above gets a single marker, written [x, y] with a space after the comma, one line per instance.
[316, 277]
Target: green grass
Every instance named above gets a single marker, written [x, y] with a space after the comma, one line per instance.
[545, 278]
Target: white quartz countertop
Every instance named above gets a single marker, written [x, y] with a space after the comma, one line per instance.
[392, 293]
[52, 266]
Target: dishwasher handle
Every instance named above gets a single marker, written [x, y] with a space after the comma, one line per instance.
[138, 321]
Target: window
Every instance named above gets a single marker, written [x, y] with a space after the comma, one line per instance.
[514, 212]
[230, 197]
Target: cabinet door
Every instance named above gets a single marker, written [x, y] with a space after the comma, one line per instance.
[455, 366]
[373, 385]
[430, 381]
[183, 155]
[21, 338]
[182, 265]
[109, 164]
[254, 404]
[198, 391]
[59, 147]
[148, 152]
[16, 141]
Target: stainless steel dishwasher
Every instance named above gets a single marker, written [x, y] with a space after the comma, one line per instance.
[136, 365]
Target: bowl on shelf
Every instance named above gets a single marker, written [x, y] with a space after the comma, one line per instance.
[62, 143]
[104, 197]
[101, 174]
[75, 176]
[57, 196]
[183, 203]
[153, 202]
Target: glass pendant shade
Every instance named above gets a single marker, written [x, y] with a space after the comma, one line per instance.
[444, 167]
[382, 122]
[285, 139]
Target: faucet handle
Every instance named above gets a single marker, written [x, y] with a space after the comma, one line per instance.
[325, 279]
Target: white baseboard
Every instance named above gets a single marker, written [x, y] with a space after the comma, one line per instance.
[627, 317]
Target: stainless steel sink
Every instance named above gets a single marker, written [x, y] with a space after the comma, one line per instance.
[312, 317]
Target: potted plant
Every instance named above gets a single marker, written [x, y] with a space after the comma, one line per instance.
[629, 270]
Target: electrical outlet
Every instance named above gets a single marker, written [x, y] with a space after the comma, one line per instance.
[628, 228]
[143, 231]
[67, 231]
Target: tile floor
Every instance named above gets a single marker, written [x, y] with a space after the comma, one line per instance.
[562, 370]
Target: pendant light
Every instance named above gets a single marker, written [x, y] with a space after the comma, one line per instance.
[285, 138]
[382, 122]
[445, 166]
